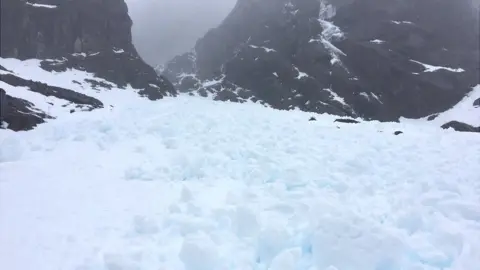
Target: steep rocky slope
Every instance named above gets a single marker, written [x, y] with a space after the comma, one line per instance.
[88, 36]
[375, 59]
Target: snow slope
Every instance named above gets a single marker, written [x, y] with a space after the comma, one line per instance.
[464, 111]
[188, 183]
[73, 79]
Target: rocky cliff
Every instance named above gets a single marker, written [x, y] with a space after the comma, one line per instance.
[92, 36]
[375, 59]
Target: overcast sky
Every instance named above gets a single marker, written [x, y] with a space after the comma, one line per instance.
[165, 28]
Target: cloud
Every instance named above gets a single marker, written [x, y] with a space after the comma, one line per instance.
[165, 28]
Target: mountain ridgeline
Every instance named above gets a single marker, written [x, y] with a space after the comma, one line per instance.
[375, 59]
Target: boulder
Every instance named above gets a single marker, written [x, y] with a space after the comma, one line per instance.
[459, 126]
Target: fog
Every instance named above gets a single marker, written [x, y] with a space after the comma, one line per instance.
[165, 28]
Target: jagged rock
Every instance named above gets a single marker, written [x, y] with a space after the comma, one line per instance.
[459, 126]
[375, 59]
[88, 35]
[346, 120]
[18, 114]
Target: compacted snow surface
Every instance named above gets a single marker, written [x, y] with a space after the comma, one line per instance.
[191, 184]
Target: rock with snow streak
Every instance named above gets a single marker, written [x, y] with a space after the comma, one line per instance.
[117, 66]
[18, 114]
[375, 59]
[88, 35]
[48, 90]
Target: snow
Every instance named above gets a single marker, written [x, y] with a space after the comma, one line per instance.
[209, 83]
[300, 74]
[402, 22]
[189, 183]
[377, 41]
[268, 50]
[41, 5]
[368, 96]
[464, 111]
[336, 97]
[330, 32]
[160, 68]
[365, 95]
[50, 105]
[117, 51]
[376, 97]
[430, 68]
[80, 54]
[184, 75]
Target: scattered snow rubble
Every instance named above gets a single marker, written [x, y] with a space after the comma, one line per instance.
[193, 184]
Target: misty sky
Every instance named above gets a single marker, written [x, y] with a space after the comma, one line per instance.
[165, 28]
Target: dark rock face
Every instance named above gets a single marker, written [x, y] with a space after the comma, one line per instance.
[398, 132]
[54, 28]
[459, 126]
[87, 35]
[375, 59]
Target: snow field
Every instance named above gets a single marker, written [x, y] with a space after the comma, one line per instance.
[192, 184]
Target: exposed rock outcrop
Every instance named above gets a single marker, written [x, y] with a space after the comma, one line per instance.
[346, 120]
[87, 35]
[476, 103]
[459, 126]
[375, 59]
